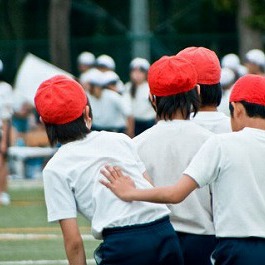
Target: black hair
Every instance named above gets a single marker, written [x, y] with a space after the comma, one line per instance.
[253, 110]
[133, 90]
[211, 95]
[188, 102]
[68, 132]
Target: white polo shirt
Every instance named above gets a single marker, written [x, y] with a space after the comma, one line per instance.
[140, 105]
[224, 105]
[234, 165]
[214, 121]
[166, 150]
[6, 101]
[71, 183]
[110, 110]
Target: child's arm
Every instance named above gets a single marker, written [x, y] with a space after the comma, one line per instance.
[73, 242]
[125, 189]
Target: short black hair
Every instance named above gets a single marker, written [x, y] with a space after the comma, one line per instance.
[68, 132]
[211, 95]
[187, 102]
[253, 110]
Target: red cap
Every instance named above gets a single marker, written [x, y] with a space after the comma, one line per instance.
[206, 63]
[249, 88]
[60, 100]
[171, 75]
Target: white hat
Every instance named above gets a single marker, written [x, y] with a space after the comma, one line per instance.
[86, 58]
[1, 66]
[231, 61]
[93, 77]
[227, 76]
[256, 56]
[140, 63]
[105, 61]
[242, 70]
[110, 77]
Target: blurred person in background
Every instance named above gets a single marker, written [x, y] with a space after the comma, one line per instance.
[110, 111]
[85, 61]
[105, 63]
[22, 118]
[6, 110]
[231, 61]
[137, 95]
[255, 62]
[89, 78]
[208, 68]
[228, 78]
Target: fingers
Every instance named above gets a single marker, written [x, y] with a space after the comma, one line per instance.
[118, 172]
[105, 183]
[111, 173]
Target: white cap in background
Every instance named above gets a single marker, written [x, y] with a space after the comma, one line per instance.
[231, 61]
[105, 61]
[110, 77]
[242, 70]
[93, 77]
[140, 63]
[86, 58]
[1, 66]
[227, 76]
[256, 56]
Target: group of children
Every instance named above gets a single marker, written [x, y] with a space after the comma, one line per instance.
[212, 179]
[129, 109]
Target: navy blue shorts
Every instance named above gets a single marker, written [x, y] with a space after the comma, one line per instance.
[154, 243]
[240, 251]
[197, 249]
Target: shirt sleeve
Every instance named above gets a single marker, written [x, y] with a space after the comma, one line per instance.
[204, 168]
[59, 197]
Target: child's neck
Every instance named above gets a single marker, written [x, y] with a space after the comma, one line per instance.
[208, 108]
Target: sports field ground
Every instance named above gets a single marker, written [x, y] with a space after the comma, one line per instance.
[25, 235]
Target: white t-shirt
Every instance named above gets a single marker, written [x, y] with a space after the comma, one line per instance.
[214, 121]
[71, 183]
[166, 150]
[234, 165]
[140, 105]
[6, 101]
[110, 110]
[224, 105]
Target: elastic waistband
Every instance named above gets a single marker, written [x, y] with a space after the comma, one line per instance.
[109, 231]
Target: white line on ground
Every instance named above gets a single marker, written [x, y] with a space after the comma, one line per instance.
[41, 262]
[13, 236]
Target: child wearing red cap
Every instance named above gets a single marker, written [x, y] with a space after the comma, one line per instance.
[208, 68]
[132, 233]
[167, 147]
[233, 164]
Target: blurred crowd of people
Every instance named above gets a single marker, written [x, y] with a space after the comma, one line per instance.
[116, 106]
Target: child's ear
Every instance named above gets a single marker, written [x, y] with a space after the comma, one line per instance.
[87, 118]
[41, 120]
[198, 89]
[239, 109]
[152, 99]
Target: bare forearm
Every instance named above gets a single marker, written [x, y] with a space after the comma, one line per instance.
[76, 254]
[168, 194]
[5, 128]
[73, 242]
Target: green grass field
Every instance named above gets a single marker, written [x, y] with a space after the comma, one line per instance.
[25, 235]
